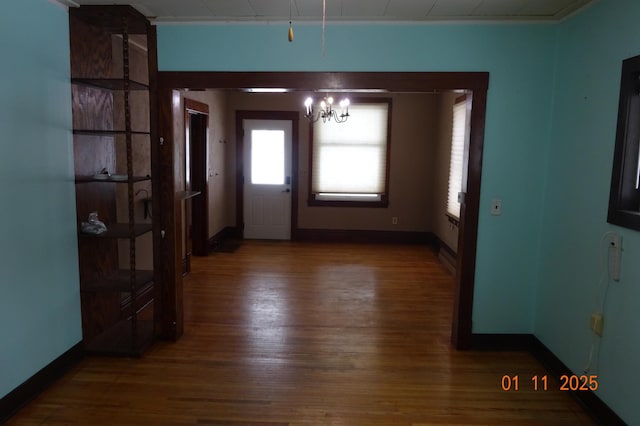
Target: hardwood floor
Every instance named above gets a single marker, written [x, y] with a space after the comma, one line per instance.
[282, 333]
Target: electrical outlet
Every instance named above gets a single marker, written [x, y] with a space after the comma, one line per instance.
[394, 220]
[597, 323]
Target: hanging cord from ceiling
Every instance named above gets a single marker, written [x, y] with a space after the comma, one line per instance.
[324, 17]
[290, 35]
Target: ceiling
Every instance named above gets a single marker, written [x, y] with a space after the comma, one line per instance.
[351, 10]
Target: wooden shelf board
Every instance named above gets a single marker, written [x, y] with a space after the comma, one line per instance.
[121, 230]
[110, 83]
[119, 339]
[90, 132]
[144, 298]
[185, 195]
[120, 281]
[91, 179]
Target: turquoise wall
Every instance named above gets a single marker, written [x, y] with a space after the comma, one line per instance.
[591, 47]
[520, 61]
[39, 285]
[549, 139]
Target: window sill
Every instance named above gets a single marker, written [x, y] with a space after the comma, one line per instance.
[334, 203]
[452, 219]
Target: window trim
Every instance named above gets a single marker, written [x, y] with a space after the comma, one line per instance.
[626, 149]
[383, 202]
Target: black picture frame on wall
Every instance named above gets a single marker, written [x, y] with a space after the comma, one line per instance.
[624, 197]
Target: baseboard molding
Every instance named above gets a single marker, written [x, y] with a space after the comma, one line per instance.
[360, 236]
[227, 233]
[32, 387]
[446, 255]
[598, 410]
[444, 248]
[503, 342]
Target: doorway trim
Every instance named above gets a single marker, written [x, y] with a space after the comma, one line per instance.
[242, 115]
[477, 82]
[200, 160]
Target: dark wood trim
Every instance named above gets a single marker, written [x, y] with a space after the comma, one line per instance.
[364, 236]
[447, 256]
[32, 387]
[227, 233]
[599, 410]
[592, 404]
[192, 105]
[384, 201]
[476, 83]
[158, 185]
[503, 342]
[442, 246]
[310, 81]
[167, 214]
[198, 206]
[294, 117]
[186, 265]
[468, 227]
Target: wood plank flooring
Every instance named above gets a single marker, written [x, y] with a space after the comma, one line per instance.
[284, 333]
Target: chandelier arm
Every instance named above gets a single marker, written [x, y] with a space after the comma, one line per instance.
[326, 111]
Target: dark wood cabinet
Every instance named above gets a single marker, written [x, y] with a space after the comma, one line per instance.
[112, 70]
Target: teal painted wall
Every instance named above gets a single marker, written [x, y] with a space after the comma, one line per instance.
[591, 47]
[549, 139]
[520, 61]
[39, 285]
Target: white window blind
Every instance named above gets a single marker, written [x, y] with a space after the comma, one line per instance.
[458, 137]
[350, 159]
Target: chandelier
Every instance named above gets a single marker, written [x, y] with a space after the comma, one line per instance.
[326, 111]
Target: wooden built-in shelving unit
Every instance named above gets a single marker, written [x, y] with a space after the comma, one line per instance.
[112, 67]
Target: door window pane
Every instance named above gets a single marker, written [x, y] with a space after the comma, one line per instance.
[267, 157]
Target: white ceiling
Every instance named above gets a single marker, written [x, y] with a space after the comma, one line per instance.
[351, 10]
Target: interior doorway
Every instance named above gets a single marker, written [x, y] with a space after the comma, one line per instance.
[196, 234]
[474, 83]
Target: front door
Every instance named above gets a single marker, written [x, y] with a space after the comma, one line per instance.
[267, 179]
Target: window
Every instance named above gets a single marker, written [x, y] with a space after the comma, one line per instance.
[459, 135]
[624, 198]
[267, 157]
[349, 161]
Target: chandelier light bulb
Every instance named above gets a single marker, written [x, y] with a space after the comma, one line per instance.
[307, 103]
[326, 111]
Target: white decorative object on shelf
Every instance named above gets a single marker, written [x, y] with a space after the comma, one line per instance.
[93, 225]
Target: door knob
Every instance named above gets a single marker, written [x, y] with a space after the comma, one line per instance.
[286, 190]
